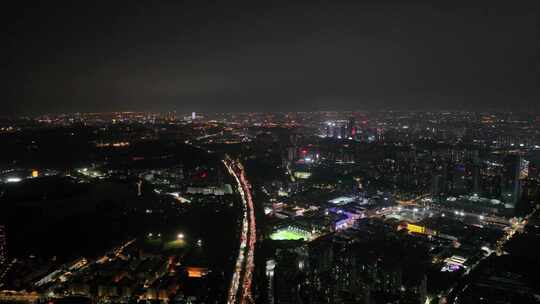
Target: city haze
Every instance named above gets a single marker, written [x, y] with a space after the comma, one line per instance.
[242, 56]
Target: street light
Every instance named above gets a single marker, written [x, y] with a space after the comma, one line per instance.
[180, 236]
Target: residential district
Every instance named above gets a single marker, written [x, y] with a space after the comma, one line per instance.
[313, 207]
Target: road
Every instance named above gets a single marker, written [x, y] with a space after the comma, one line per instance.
[240, 288]
[515, 229]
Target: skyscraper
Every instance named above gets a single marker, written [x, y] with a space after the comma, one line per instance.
[476, 179]
[351, 128]
[337, 129]
[511, 183]
[3, 246]
[476, 188]
[437, 185]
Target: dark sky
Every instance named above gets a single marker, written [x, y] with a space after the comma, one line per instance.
[269, 56]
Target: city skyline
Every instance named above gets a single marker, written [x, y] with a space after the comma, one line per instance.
[270, 152]
[318, 207]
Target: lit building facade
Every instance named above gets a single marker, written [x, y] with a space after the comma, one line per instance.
[3, 246]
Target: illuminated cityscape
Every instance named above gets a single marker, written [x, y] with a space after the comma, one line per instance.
[270, 152]
[427, 207]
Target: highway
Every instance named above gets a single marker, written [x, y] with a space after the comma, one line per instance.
[240, 288]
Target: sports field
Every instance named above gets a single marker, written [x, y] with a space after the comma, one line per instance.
[175, 244]
[289, 234]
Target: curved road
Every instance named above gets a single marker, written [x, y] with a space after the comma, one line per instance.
[240, 288]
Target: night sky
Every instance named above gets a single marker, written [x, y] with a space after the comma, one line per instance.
[270, 56]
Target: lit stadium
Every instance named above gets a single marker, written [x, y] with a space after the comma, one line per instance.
[290, 233]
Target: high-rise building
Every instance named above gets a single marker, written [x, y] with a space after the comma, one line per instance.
[523, 169]
[337, 129]
[270, 266]
[292, 154]
[351, 128]
[3, 246]
[476, 188]
[437, 185]
[476, 173]
[511, 182]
